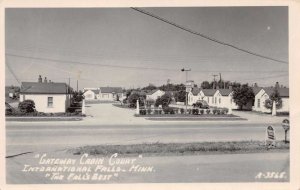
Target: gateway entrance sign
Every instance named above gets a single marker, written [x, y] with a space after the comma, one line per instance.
[270, 137]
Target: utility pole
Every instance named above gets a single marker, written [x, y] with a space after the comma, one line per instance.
[186, 79]
[77, 86]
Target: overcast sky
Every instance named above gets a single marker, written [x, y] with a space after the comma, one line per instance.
[101, 39]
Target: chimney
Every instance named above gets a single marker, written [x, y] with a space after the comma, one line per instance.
[277, 85]
[230, 87]
[40, 80]
[217, 87]
[45, 80]
[214, 85]
[255, 85]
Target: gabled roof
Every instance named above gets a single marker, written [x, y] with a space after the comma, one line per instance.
[225, 92]
[284, 92]
[151, 91]
[44, 88]
[195, 91]
[111, 90]
[209, 92]
[95, 91]
[256, 90]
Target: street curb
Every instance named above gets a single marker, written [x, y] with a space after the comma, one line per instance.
[36, 119]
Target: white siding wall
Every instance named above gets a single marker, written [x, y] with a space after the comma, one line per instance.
[193, 99]
[89, 95]
[60, 102]
[259, 103]
[109, 96]
[155, 95]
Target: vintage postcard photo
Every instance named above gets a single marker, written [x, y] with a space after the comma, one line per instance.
[147, 94]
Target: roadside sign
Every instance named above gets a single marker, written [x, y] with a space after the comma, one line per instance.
[271, 133]
[286, 127]
[188, 89]
[270, 136]
[286, 124]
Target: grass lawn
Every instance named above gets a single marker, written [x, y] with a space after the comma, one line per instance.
[180, 148]
[187, 115]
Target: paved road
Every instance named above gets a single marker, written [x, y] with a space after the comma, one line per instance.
[103, 128]
[47, 138]
[170, 169]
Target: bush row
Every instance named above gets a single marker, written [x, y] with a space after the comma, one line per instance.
[42, 114]
[194, 111]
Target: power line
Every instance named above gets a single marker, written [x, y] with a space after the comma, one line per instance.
[12, 72]
[205, 36]
[86, 63]
[127, 67]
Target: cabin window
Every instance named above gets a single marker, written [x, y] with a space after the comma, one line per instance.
[50, 102]
[219, 100]
[258, 103]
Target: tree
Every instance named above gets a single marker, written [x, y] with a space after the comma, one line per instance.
[78, 96]
[149, 87]
[205, 85]
[275, 96]
[164, 100]
[243, 95]
[180, 96]
[133, 98]
[27, 106]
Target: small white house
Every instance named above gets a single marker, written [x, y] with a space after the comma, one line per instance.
[110, 93]
[194, 96]
[223, 98]
[265, 93]
[154, 94]
[91, 94]
[208, 96]
[48, 97]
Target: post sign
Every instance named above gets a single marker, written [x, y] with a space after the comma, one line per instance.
[188, 88]
[189, 85]
[270, 136]
[286, 124]
[286, 127]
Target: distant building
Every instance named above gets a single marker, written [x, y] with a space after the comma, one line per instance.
[91, 93]
[49, 97]
[264, 93]
[154, 94]
[110, 93]
[223, 98]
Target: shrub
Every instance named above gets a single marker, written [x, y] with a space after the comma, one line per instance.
[222, 112]
[225, 110]
[208, 111]
[201, 112]
[143, 112]
[27, 106]
[214, 111]
[218, 112]
[181, 110]
[148, 111]
[157, 111]
[168, 110]
[195, 111]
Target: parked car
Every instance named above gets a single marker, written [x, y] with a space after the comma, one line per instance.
[201, 104]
